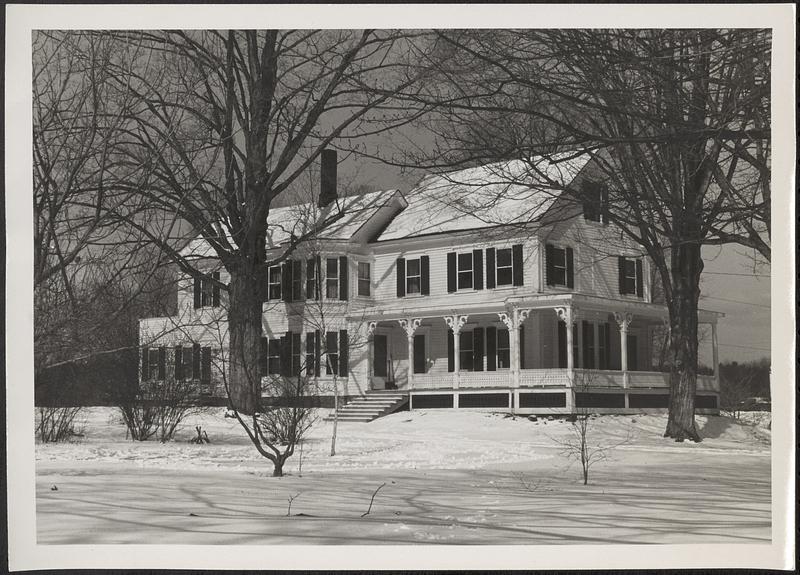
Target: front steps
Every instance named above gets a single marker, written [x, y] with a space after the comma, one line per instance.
[371, 406]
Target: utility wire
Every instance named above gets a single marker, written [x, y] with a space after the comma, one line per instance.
[744, 346]
[737, 274]
[738, 301]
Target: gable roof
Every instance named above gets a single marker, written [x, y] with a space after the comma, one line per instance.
[516, 191]
[298, 219]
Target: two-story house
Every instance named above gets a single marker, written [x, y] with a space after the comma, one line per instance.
[483, 288]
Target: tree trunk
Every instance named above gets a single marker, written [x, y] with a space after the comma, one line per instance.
[244, 324]
[277, 470]
[686, 268]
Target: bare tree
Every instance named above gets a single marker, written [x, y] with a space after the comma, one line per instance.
[227, 121]
[676, 124]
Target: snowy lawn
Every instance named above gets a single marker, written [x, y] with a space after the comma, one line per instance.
[450, 477]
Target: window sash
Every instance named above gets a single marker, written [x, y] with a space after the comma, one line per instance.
[466, 352]
[503, 349]
[275, 282]
[364, 279]
[332, 278]
[332, 353]
[465, 271]
[559, 266]
[274, 357]
[187, 363]
[504, 267]
[152, 363]
[630, 276]
[413, 276]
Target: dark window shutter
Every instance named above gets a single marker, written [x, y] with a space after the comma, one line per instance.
[286, 281]
[604, 204]
[263, 354]
[178, 362]
[477, 346]
[317, 352]
[344, 278]
[450, 351]
[522, 346]
[215, 290]
[639, 278]
[197, 288]
[490, 268]
[145, 364]
[548, 276]
[588, 360]
[607, 330]
[451, 272]
[420, 361]
[477, 268]
[621, 270]
[401, 277]
[162, 363]
[310, 355]
[286, 355]
[196, 361]
[491, 348]
[516, 253]
[425, 272]
[343, 353]
[562, 344]
[297, 280]
[570, 270]
[205, 372]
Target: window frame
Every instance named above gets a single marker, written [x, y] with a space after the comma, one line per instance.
[556, 251]
[506, 350]
[273, 359]
[331, 357]
[152, 365]
[274, 286]
[187, 363]
[630, 289]
[361, 281]
[331, 281]
[460, 271]
[509, 267]
[417, 277]
[462, 349]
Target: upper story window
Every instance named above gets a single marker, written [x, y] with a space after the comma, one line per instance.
[559, 266]
[312, 274]
[631, 280]
[504, 267]
[206, 291]
[594, 197]
[364, 279]
[465, 271]
[413, 276]
[274, 282]
[296, 275]
[332, 278]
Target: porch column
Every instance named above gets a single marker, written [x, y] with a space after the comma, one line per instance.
[513, 322]
[369, 369]
[455, 323]
[624, 322]
[569, 315]
[715, 354]
[410, 326]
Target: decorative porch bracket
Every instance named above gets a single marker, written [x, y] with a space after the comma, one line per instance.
[624, 320]
[371, 325]
[456, 322]
[410, 326]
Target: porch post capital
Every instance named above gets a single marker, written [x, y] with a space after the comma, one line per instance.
[371, 325]
[568, 314]
[456, 322]
[506, 319]
[410, 325]
[623, 319]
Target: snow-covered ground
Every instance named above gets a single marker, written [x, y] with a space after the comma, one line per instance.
[450, 477]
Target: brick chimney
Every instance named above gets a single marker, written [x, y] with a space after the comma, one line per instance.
[327, 186]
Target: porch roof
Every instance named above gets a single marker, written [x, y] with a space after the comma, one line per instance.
[440, 307]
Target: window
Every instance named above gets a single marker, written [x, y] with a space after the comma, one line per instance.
[413, 277]
[206, 291]
[631, 276]
[588, 345]
[503, 349]
[153, 364]
[332, 353]
[505, 267]
[311, 279]
[559, 267]
[296, 353]
[364, 280]
[603, 332]
[332, 278]
[274, 357]
[420, 355]
[465, 271]
[274, 282]
[297, 280]
[312, 353]
[595, 201]
[466, 353]
[183, 364]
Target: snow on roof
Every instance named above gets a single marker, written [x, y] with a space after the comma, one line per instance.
[299, 219]
[517, 191]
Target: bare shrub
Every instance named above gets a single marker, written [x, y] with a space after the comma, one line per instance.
[157, 408]
[55, 424]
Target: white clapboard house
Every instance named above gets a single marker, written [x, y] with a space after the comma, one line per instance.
[483, 288]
